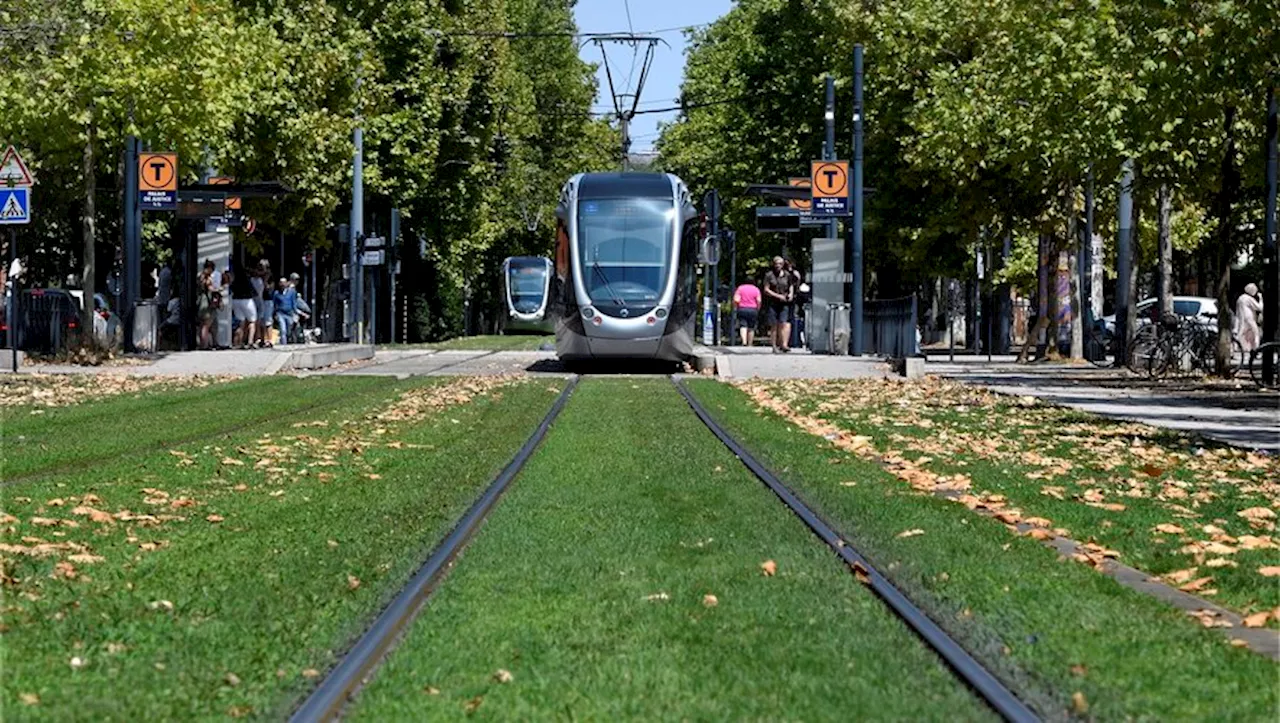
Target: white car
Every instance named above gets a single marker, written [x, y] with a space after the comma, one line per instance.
[1204, 309]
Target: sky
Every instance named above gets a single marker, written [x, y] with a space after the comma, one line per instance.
[662, 87]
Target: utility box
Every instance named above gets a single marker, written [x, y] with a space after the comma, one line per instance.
[827, 284]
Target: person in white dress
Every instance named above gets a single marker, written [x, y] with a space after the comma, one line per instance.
[1248, 311]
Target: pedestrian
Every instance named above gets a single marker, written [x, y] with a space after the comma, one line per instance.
[1248, 312]
[803, 297]
[244, 312]
[264, 295]
[208, 300]
[779, 295]
[285, 300]
[746, 299]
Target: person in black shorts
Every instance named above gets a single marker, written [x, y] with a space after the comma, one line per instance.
[779, 293]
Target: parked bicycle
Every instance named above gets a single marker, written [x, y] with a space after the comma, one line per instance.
[1257, 358]
[1180, 345]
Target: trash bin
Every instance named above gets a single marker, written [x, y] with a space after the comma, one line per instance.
[146, 326]
[838, 329]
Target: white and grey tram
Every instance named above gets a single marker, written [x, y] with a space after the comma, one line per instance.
[626, 264]
[526, 285]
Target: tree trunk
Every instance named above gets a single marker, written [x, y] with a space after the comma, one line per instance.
[1164, 243]
[1222, 242]
[1135, 259]
[88, 222]
[1042, 296]
[1097, 274]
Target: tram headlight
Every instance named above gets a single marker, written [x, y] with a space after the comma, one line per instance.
[660, 313]
[588, 312]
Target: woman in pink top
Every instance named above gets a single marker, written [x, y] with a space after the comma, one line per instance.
[747, 300]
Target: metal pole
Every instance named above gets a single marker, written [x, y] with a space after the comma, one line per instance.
[1086, 264]
[132, 242]
[12, 304]
[315, 313]
[1124, 261]
[395, 244]
[733, 288]
[1271, 282]
[854, 290]
[829, 145]
[357, 221]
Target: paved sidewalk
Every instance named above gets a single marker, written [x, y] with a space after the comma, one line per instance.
[236, 362]
[1233, 412]
[737, 362]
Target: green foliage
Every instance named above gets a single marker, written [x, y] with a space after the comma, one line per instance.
[469, 135]
[979, 113]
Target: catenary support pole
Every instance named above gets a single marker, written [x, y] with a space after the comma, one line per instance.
[393, 264]
[357, 233]
[1271, 282]
[1124, 262]
[130, 287]
[1086, 265]
[854, 258]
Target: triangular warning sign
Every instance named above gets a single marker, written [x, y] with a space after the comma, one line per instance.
[13, 209]
[13, 172]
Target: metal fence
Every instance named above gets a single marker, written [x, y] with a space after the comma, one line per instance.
[889, 327]
[46, 320]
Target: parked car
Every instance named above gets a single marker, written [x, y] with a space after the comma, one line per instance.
[46, 319]
[1204, 309]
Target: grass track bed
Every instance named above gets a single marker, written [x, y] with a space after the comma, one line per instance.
[1051, 628]
[97, 431]
[234, 608]
[588, 583]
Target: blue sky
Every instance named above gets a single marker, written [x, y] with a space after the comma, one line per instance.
[663, 85]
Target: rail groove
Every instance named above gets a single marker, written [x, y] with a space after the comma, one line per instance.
[330, 697]
[966, 667]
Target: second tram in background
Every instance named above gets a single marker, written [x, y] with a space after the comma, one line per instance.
[626, 267]
[526, 284]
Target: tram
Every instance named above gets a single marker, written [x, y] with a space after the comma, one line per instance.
[526, 286]
[626, 267]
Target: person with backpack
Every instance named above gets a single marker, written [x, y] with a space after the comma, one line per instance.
[285, 300]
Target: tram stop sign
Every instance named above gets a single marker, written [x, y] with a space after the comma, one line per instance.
[830, 186]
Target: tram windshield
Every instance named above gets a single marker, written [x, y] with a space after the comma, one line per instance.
[625, 247]
[526, 282]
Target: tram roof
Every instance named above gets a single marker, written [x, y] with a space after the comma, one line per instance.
[624, 185]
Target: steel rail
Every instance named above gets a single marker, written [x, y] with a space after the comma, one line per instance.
[329, 698]
[997, 695]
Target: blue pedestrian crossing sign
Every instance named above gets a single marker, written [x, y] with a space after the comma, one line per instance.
[15, 206]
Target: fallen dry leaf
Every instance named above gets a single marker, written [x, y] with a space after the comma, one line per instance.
[1269, 571]
[77, 662]
[353, 582]
[710, 600]
[1238, 643]
[769, 568]
[231, 679]
[431, 690]
[1180, 576]
[1169, 529]
[1196, 584]
[657, 597]
[310, 673]
[910, 533]
[1257, 620]
[1257, 513]
[473, 704]
[215, 518]
[503, 676]
[29, 698]
[1079, 704]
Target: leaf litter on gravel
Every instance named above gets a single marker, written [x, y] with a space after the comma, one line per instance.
[935, 435]
[42, 391]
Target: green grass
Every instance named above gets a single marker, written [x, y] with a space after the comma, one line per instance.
[1048, 460]
[262, 594]
[632, 497]
[94, 431]
[1051, 627]
[512, 342]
